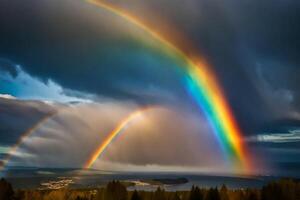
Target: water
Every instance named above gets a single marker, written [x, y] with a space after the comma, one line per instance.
[33, 178]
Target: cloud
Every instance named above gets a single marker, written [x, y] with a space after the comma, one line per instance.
[239, 35]
[23, 113]
[24, 86]
[98, 54]
[7, 65]
[7, 96]
[281, 99]
[163, 137]
[104, 55]
[4, 150]
[106, 165]
[290, 136]
[58, 141]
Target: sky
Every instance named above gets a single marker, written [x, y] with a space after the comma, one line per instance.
[89, 68]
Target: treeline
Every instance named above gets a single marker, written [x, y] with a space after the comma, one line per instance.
[285, 189]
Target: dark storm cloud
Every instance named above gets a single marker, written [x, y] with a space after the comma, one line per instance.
[243, 38]
[254, 48]
[79, 47]
[17, 116]
[240, 39]
[241, 35]
[72, 43]
[270, 32]
[272, 27]
[282, 125]
[8, 66]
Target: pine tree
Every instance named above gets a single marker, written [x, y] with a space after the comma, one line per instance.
[136, 196]
[213, 194]
[224, 193]
[196, 194]
[176, 196]
[159, 194]
[115, 191]
[6, 190]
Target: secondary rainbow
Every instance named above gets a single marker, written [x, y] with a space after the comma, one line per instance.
[24, 136]
[113, 134]
[201, 82]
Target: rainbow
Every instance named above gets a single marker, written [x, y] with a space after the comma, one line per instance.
[202, 84]
[24, 136]
[113, 134]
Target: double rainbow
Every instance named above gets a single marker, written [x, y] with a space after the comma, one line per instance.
[201, 82]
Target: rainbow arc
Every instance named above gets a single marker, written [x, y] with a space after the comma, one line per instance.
[202, 84]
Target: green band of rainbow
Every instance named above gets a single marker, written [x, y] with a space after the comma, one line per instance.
[203, 86]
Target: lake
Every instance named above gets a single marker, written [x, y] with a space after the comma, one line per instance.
[43, 178]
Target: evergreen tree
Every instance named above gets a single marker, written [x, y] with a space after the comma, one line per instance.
[81, 198]
[6, 190]
[115, 191]
[196, 194]
[159, 194]
[224, 193]
[251, 195]
[281, 190]
[136, 196]
[176, 196]
[213, 194]
[240, 194]
[100, 194]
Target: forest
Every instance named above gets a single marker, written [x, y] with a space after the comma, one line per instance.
[284, 189]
